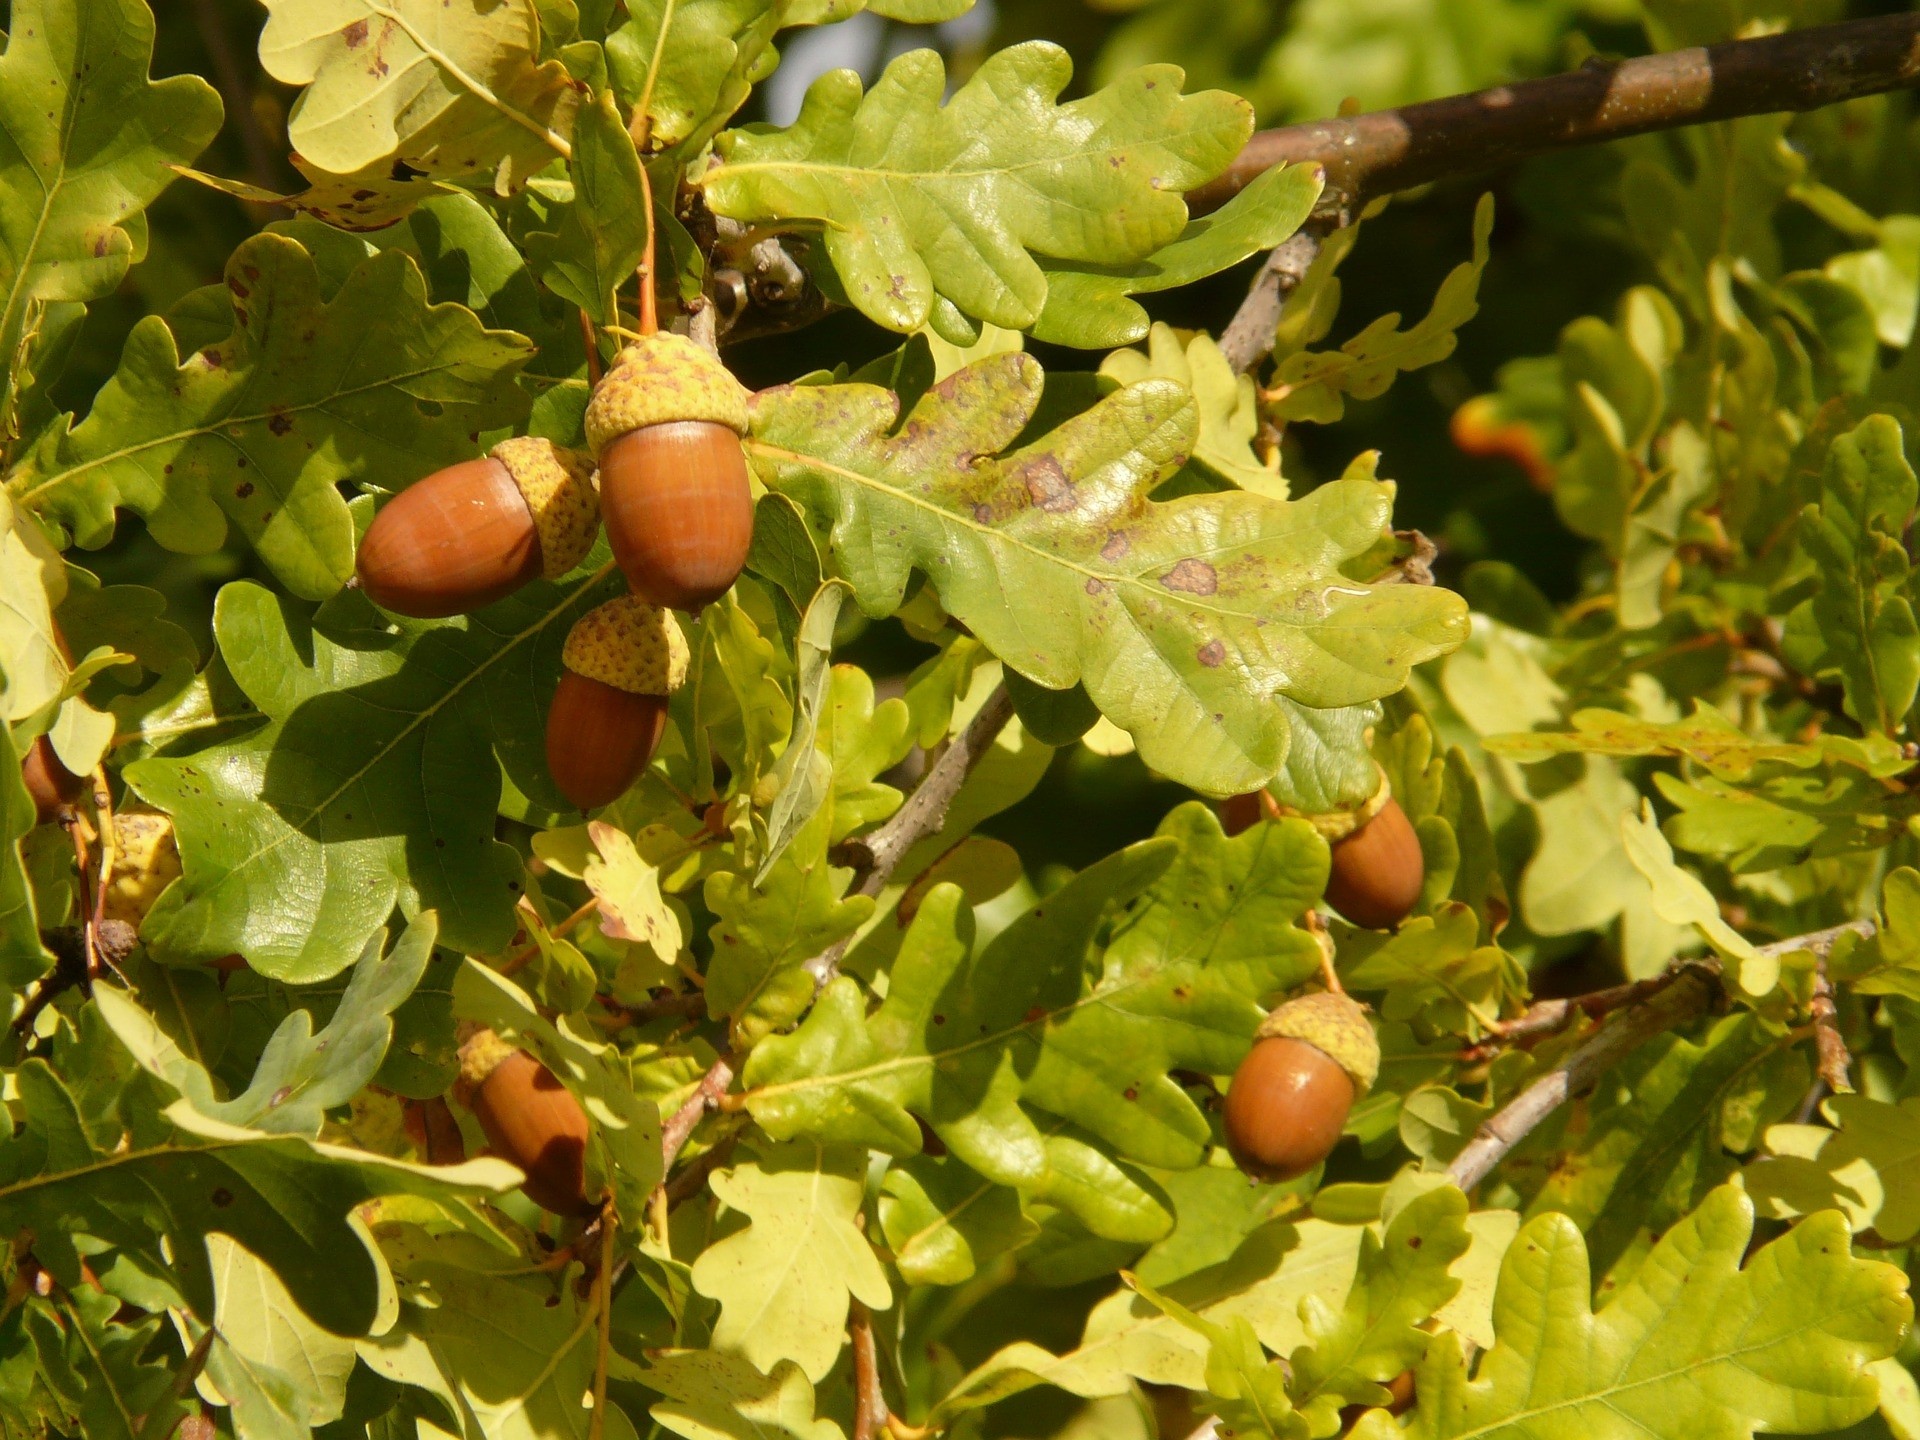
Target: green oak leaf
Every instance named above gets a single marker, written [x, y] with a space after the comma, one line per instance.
[1434, 969]
[785, 1282]
[801, 786]
[1229, 414]
[1315, 385]
[1245, 1390]
[1868, 1167]
[267, 1332]
[943, 1222]
[1887, 963]
[1090, 306]
[76, 176]
[259, 428]
[714, 1396]
[1693, 1344]
[604, 231]
[922, 200]
[510, 1351]
[1859, 627]
[288, 1199]
[968, 1043]
[369, 786]
[96, 1365]
[1330, 766]
[300, 1075]
[451, 91]
[1682, 898]
[764, 933]
[1181, 618]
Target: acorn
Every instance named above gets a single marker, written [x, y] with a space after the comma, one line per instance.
[530, 1119]
[1239, 812]
[665, 426]
[1377, 870]
[49, 782]
[621, 662]
[472, 533]
[1311, 1059]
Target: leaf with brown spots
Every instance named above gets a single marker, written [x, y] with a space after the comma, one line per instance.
[259, 430]
[434, 89]
[1184, 619]
[75, 177]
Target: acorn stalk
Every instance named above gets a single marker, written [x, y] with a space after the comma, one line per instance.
[665, 426]
[475, 532]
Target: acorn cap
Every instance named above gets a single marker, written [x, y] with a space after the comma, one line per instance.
[630, 645]
[1338, 824]
[481, 1053]
[1334, 1025]
[145, 861]
[659, 379]
[558, 486]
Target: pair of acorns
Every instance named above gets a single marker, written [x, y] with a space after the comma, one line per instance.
[666, 475]
[1314, 1057]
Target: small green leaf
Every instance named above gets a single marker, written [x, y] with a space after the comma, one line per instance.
[1860, 627]
[1229, 414]
[604, 230]
[1867, 1167]
[711, 1396]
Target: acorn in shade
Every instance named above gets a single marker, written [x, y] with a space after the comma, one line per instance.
[49, 782]
[621, 662]
[529, 1118]
[1311, 1059]
[475, 532]
[665, 425]
[1377, 870]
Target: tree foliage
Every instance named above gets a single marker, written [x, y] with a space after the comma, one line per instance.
[1011, 782]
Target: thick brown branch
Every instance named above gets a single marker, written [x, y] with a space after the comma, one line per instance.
[1387, 150]
[1248, 338]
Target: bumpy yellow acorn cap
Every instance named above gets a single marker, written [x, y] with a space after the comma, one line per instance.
[145, 861]
[558, 486]
[1334, 1025]
[481, 1053]
[630, 645]
[659, 379]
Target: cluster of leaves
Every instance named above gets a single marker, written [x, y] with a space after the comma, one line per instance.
[969, 1156]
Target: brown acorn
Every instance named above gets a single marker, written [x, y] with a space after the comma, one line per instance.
[49, 782]
[1239, 812]
[621, 662]
[1377, 870]
[530, 1119]
[665, 426]
[1311, 1059]
[475, 532]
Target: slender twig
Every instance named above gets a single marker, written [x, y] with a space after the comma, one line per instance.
[674, 1134]
[649, 308]
[878, 855]
[1622, 1034]
[526, 952]
[1387, 150]
[1682, 994]
[870, 1413]
[70, 971]
[1248, 338]
[1828, 1045]
[603, 1293]
[592, 342]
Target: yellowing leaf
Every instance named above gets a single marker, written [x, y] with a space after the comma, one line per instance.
[628, 889]
[444, 88]
[784, 1282]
